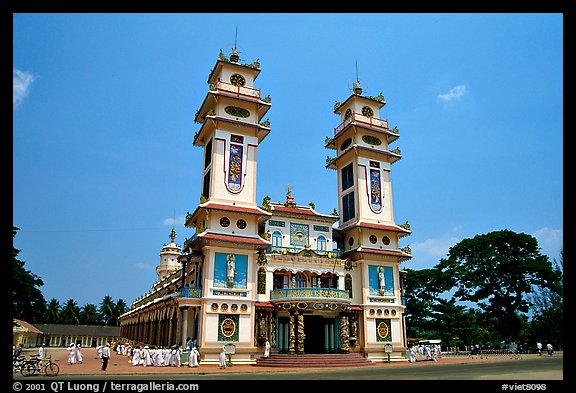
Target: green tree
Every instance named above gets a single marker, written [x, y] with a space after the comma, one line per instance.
[89, 315]
[497, 271]
[548, 311]
[107, 310]
[52, 313]
[27, 298]
[70, 313]
[121, 308]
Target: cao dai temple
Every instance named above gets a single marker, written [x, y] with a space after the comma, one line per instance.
[309, 283]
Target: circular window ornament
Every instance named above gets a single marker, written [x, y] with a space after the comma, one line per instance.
[386, 240]
[243, 308]
[224, 221]
[224, 307]
[346, 144]
[237, 80]
[373, 239]
[351, 241]
[241, 224]
[348, 114]
[214, 307]
[234, 308]
[367, 111]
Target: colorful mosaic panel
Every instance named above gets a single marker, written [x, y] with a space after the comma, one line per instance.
[235, 168]
[375, 190]
[262, 281]
[383, 332]
[228, 327]
[299, 234]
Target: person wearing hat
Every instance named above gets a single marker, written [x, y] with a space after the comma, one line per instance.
[105, 356]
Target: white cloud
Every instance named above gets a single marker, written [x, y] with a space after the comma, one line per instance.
[550, 241]
[143, 266]
[21, 82]
[432, 250]
[176, 222]
[454, 94]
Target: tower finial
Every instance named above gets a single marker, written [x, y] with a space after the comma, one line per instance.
[234, 57]
[172, 235]
[357, 87]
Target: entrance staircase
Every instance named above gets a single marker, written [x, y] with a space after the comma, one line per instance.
[314, 360]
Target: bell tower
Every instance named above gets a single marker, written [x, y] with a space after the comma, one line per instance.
[227, 219]
[369, 236]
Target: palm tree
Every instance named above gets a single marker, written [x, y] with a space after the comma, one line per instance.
[26, 295]
[89, 315]
[121, 308]
[52, 313]
[108, 311]
[70, 313]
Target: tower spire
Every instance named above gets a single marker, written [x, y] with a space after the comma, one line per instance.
[357, 87]
[234, 57]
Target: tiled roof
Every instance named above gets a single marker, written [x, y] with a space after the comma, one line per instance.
[79, 330]
[219, 237]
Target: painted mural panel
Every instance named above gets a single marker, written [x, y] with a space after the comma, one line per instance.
[375, 190]
[381, 280]
[235, 168]
[230, 270]
[299, 234]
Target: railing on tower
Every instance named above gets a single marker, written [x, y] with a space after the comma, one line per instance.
[360, 118]
[237, 89]
[293, 250]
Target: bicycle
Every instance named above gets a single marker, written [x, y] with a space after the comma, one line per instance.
[18, 362]
[33, 366]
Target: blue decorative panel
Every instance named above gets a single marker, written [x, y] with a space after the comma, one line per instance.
[321, 228]
[230, 270]
[375, 191]
[235, 168]
[299, 234]
[381, 280]
[276, 223]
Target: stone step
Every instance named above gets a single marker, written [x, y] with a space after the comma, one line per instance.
[314, 360]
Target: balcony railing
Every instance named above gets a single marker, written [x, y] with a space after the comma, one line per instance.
[309, 293]
[303, 251]
[358, 117]
[189, 291]
[237, 89]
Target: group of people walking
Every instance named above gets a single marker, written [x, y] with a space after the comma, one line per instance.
[74, 354]
[424, 352]
[152, 356]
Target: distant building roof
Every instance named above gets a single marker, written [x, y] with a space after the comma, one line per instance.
[23, 326]
[79, 330]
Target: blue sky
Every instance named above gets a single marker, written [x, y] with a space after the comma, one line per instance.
[103, 109]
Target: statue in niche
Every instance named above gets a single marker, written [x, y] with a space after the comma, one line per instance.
[292, 335]
[230, 270]
[381, 280]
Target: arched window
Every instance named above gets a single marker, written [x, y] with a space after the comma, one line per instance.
[277, 239]
[300, 280]
[321, 246]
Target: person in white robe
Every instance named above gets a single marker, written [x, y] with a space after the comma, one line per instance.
[222, 357]
[194, 356]
[167, 356]
[99, 352]
[413, 354]
[267, 349]
[147, 361]
[136, 356]
[72, 354]
[79, 357]
[178, 357]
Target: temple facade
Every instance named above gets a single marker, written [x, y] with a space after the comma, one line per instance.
[282, 272]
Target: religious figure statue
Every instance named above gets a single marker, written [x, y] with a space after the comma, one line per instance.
[381, 280]
[262, 325]
[230, 270]
[353, 328]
